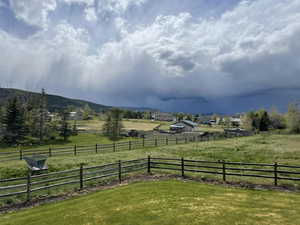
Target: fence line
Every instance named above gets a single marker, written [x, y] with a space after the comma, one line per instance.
[114, 147]
[78, 178]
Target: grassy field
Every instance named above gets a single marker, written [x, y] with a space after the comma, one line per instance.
[166, 203]
[84, 138]
[259, 148]
[89, 138]
[80, 139]
[128, 124]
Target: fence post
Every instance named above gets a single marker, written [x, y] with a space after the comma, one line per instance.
[149, 164]
[167, 141]
[50, 152]
[185, 139]
[224, 170]
[182, 167]
[156, 142]
[129, 145]
[176, 140]
[275, 173]
[143, 141]
[96, 148]
[120, 172]
[21, 154]
[81, 176]
[114, 146]
[75, 150]
[28, 185]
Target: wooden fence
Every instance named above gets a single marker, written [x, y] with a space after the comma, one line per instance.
[114, 147]
[40, 185]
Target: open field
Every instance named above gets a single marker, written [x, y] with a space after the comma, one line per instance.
[90, 138]
[214, 128]
[86, 138]
[166, 202]
[80, 139]
[128, 124]
[260, 148]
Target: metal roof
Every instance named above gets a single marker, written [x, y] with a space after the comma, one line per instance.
[188, 122]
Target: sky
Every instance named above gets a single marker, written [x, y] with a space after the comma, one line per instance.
[223, 56]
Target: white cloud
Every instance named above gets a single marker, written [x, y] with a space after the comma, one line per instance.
[111, 8]
[34, 12]
[253, 47]
[90, 14]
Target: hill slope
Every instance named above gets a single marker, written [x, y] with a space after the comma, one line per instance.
[54, 102]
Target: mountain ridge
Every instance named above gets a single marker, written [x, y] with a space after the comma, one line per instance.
[57, 102]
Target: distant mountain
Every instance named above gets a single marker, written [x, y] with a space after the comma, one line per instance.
[55, 102]
[139, 109]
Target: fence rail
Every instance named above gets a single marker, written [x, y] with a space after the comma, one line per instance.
[114, 147]
[79, 177]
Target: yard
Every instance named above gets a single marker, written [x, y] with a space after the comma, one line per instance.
[169, 202]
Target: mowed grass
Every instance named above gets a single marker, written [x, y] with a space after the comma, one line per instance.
[260, 148]
[170, 202]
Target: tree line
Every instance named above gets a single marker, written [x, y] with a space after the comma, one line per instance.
[263, 120]
[26, 121]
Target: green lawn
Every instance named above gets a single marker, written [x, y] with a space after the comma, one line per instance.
[166, 203]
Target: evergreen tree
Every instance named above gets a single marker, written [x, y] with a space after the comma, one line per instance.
[107, 127]
[257, 121]
[31, 111]
[74, 128]
[14, 123]
[113, 124]
[264, 120]
[42, 116]
[64, 131]
[87, 112]
[2, 115]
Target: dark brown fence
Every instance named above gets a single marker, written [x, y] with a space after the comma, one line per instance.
[69, 179]
[40, 185]
[115, 147]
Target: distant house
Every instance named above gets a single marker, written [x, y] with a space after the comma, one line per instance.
[236, 122]
[161, 116]
[76, 115]
[183, 126]
[233, 121]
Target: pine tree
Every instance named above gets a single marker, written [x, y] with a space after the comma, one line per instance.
[113, 124]
[14, 123]
[107, 127]
[42, 116]
[264, 120]
[2, 115]
[87, 112]
[65, 131]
